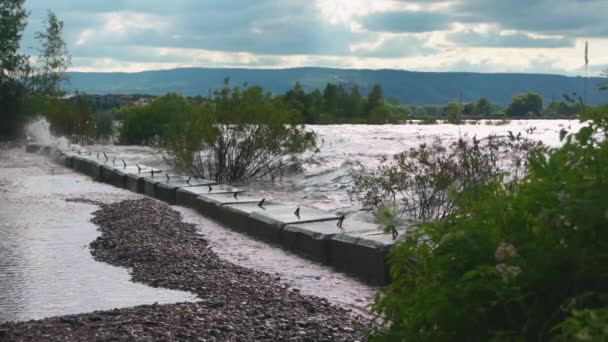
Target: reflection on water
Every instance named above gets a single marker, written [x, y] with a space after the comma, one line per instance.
[46, 268]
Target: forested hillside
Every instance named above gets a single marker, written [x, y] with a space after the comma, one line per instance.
[409, 87]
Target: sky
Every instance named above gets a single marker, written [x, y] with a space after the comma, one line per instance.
[537, 36]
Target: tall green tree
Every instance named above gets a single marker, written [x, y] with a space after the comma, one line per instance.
[483, 107]
[375, 98]
[330, 99]
[54, 57]
[354, 103]
[13, 67]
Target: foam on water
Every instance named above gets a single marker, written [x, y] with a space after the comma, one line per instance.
[325, 179]
[39, 132]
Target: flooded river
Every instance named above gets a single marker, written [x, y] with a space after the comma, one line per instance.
[324, 182]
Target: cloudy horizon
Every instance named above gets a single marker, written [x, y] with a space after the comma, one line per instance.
[542, 36]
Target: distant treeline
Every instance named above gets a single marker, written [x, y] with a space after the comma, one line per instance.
[340, 103]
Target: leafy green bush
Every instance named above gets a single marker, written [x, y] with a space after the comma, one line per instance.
[528, 262]
[425, 182]
[238, 135]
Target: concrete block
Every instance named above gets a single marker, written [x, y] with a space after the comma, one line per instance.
[88, 166]
[33, 148]
[66, 160]
[47, 150]
[363, 254]
[235, 216]
[149, 184]
[312, 239]
[167, 190]
[209, 204]
[135, 177]
[268, 224]
[114, 175]
[134, 182]
[186, 196]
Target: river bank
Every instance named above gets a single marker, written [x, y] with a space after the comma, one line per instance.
[162, 251]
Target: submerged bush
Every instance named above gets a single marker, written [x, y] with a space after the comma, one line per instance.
[425, 182]
[522, 262]
[238, 135]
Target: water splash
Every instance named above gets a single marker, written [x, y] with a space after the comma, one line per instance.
[39, 132]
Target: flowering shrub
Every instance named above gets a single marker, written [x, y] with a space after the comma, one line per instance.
[529, 262]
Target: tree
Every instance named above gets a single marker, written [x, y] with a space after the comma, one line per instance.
[525, 104]
[452, 112]
[483, 107]
[469, 109]
[54, 57]
[353, 105]
[13, 67]
[330, 99]
[239, 134]
[375, 98]
[146, 124]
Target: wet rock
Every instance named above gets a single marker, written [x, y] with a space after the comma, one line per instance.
[161, 250]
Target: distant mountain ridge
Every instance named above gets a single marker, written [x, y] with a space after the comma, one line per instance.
[411, 87]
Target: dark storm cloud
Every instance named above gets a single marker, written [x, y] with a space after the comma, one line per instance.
[567, 17]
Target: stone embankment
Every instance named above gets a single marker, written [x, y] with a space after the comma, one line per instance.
[350, 246]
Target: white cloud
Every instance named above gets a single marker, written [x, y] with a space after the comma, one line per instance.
[432, 35]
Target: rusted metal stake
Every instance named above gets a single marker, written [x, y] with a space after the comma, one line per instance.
[394, 232]
[340, 221]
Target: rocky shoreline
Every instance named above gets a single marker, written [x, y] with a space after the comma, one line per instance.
[236, 304]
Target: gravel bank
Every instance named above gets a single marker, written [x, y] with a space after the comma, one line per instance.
[162, 251]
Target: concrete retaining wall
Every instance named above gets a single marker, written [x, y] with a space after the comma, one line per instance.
[187, 196]
[350, 246]
[167, 190]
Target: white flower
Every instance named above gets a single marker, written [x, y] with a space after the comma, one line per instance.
[505, 250]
